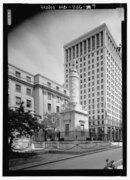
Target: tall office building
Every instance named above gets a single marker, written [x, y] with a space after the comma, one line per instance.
[39, 94]
[98, 61]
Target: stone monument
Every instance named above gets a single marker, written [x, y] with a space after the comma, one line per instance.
[74, 119]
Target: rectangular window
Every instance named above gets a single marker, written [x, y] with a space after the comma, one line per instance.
[57, 109]
[97, 36]
[84, 47]
[28, 103]
[57, 88]
[18, 88]
[80, 49]
[49, 107]
[18, 100]
[89, 45]
[28, 78]
[93, 43]
[49, 96]
[17, 74]
[58, 99]
[66, 129]
[82, 130]
[28, 91]
[49, 84]
[77, 50]
[101, 38]
[73, 52]
[69, 53]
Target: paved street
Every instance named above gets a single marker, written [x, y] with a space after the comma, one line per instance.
[92, 161]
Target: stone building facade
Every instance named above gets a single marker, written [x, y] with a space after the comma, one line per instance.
[39, 94]
[97, 59]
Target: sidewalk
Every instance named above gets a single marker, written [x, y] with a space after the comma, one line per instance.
[45, 158]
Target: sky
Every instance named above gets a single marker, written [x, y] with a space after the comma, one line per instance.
[36, 45]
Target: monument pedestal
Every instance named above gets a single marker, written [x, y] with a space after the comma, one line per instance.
[74, 123]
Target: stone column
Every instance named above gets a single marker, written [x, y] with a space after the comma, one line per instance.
[94, 42]
[69, 54]
[99, 39]
[87, 46]
[78, 50]
[74, 86]
[75, 51]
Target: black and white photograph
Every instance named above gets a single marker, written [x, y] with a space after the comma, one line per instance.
[64, 89]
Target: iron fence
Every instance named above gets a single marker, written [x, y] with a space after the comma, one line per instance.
[76, 135]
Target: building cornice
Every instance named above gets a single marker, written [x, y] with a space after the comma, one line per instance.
[51, 81]
[51, 90]
[72, 110]
[84, 36]
[20, 81]
[21, 69]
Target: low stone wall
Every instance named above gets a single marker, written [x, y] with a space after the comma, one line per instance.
[70, 145]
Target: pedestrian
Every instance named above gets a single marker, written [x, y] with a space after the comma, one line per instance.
[107, 164]
[112, 166]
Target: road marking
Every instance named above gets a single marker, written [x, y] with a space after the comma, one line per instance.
[117, 161]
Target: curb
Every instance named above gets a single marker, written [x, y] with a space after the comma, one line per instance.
[74, 156]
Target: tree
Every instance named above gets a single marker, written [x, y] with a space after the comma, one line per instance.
[51, 120]
[21, 122]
